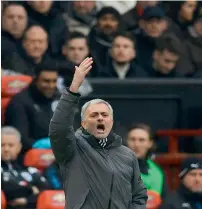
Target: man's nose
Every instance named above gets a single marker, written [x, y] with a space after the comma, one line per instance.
[100, 118]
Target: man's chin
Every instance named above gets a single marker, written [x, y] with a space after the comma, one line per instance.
[100, 136]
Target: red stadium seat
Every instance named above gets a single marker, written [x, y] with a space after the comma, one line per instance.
[3, 200]
[11, 85]
[51, 199]
[174, 135]
[171, 163]
[39, 158]
[4, 104]
[154, 200]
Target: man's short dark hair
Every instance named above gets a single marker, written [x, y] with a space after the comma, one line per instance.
[75, 35]
[11, 3]
[169, 42]
[125, 34]
[144, 127]
[46, 67]
[148, 129]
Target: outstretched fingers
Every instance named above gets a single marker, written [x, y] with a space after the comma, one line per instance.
[86, 71]
[86, 61]
[87, 64]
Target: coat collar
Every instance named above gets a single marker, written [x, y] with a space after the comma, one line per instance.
[113, 140]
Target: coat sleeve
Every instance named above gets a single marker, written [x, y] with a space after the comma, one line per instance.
[16, 116]
[61, 131]
[139, 191]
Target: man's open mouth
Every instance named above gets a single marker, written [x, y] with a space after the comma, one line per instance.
[100, 128]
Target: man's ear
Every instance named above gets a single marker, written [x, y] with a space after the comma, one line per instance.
[64, 51]
[83, 124]
[155, 54]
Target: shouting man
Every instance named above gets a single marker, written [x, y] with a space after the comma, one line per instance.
[98, 171]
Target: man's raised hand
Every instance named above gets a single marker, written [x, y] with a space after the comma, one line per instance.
[80, 74]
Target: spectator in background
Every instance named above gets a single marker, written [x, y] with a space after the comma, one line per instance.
[45, 13]
[189, 193]
[81, 16]
[101, 35]
[165, 58]
[130, 19]
[191, 62]
[32, 52]
[140, 140]
[14, 23]
[120, 6]
[152, 25]
[121, 63]
[20, 184]
[182, 12]
[75, 50]
[52, 174]
[30, 111]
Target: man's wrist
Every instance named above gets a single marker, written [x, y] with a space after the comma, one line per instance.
[74, 87]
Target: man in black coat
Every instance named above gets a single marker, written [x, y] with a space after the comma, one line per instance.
[20, 184]
[189, 193]
[122, 62]
[98, 171]
[31, 110]
[46, 14]
[101, 35]
[31, 53]
[14, 23]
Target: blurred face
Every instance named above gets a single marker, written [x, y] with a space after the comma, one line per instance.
[187, 10]
[193, 180]
[138, 140]
[76, 50]
[98, 120]
[42, 7]
[165, 61]
[122, 50]
[47, 82]
[154, 27]
[198, 27]
[108, 24]
[10, 147]
[84, 7]
[14, 20]
[35, 42]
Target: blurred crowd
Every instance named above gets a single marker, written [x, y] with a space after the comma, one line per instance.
[142, 39]
[43, 41]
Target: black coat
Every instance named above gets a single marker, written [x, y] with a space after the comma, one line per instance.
[145, 46]
[30, 112]
[8, 45]
[135, 71]
[94, 177]
[20, 62]
[182, 199]
[54, 24]
[99, 45]
[17, 181]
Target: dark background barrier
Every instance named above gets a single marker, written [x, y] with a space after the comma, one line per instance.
[163, 104]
